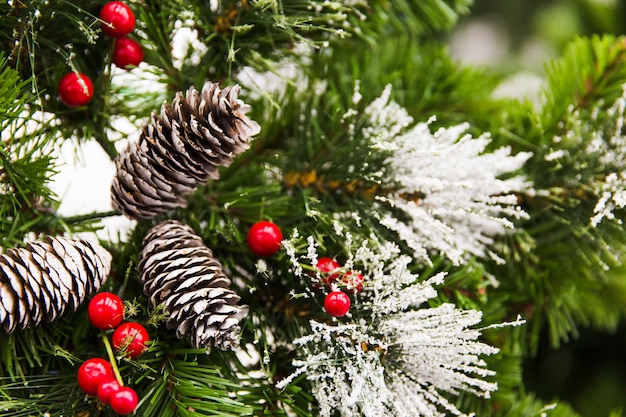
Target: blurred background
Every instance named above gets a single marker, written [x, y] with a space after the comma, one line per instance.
[517, 38]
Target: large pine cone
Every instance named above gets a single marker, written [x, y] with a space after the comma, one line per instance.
[180, 273]
[180, 150]
[44, 279]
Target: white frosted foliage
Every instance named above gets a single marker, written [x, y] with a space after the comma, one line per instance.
[446, 183]
[609, 146]
[397, 357]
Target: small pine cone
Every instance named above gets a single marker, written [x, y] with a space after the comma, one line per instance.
[180, 150]
[180, 273]
[44, 279]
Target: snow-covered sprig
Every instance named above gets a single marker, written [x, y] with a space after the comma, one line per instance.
[397, 357]
[608, 145]
[449, 189]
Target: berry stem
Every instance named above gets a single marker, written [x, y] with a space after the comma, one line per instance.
[112, 360]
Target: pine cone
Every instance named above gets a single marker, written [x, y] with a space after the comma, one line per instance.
[44, 279]
[180, 273]
[180, 150]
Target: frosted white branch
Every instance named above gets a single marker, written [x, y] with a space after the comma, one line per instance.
[609, 145]
[400, 358]
[445, 182]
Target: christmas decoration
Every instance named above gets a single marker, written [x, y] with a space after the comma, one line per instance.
[92, 373]
[180, 150]
[127, 53]
[376, 367]
[117, 19]
[124, 401]
[106, 311]
[328, 268]
[264, 238]
[337, 303]
[353, 281]
[45, 279]
[131, 339]
[106, 389]
[181, 274]
[75, 89]
[447, 231]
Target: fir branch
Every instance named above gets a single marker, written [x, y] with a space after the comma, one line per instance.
[44, 395]
[430, 16]
[590, 70]
[189, 386]
[27, 162]
[577, 144]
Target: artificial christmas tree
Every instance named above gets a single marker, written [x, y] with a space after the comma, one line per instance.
[342, 220]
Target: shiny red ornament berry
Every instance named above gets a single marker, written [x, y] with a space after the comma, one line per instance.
[353, 281]
[127, 53]
[328, 268]
[92, 373]
[337, 303]
[75, 89]
[124, 401]
[106, 389]
[130, 338]
[264, 238]
[117, 19]
[105, 311]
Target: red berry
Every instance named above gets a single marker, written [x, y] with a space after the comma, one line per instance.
[106, 389]
[337, 303]
[105, 311]
[130, 338]
[264, 238]
[92, 373]
[127, 53]
[124, 401]
[75, 89]
[353, 281]
[117, 19]
[328, 267]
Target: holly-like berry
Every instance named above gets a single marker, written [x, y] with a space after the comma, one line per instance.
[127, 53]
[124, 401]
[353, 281]
[130, 338]
[264, 238]
[105, 311]
[117, 19]
[337, 303]
[328, 268]
[75, 89]
[92, 373]
[106, 389]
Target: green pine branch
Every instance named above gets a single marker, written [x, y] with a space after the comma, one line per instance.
[560, 262]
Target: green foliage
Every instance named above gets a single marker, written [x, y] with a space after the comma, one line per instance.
[303, 172]
[590, 73]
[53, 394]
[185, 384]
[416, 18]
[26, 163]
[561, 263]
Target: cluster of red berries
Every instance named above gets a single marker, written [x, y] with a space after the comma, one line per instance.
[99, 377]
[265, 239]
[118, 21]
[332, 277]
[76, 89]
